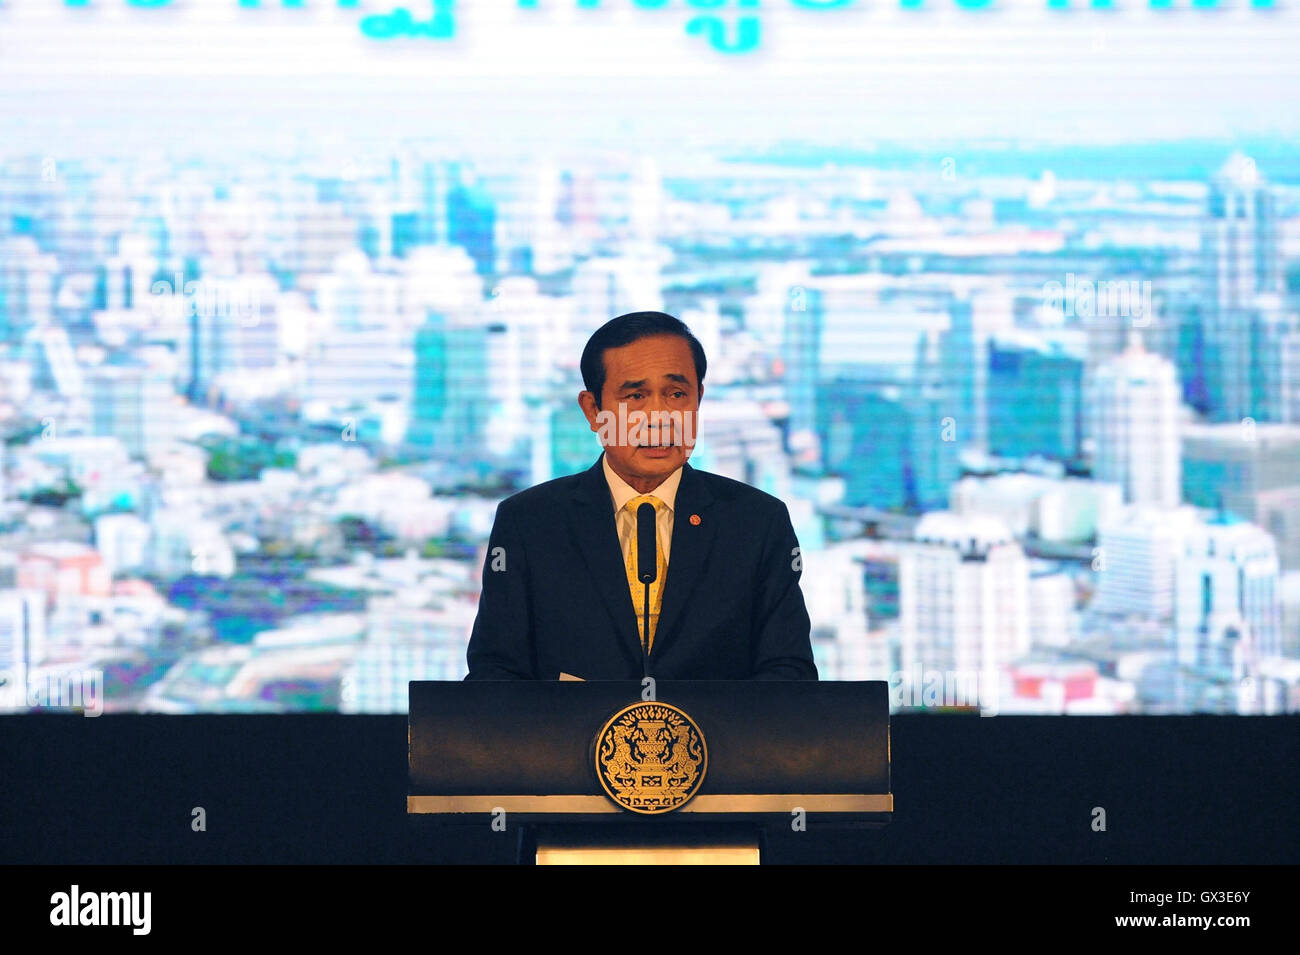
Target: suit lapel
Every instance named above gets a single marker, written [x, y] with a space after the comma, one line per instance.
[596, 537]
[691, 544]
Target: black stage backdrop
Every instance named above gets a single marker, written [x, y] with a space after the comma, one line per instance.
[327, 788]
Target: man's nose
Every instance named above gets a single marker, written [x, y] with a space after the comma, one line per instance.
[660, 423]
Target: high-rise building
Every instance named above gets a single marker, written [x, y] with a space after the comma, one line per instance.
[705, 322]
[1286, 372]
[878, 325]
[562, 441]
[360, 355]
[1135, 560]
[1227, 613]
[833, 585]
[1241, 263]
[472, 220]
[738, 440]
[532, 242]
[312, 233]
[535, 320]
[1035, 399]
[804, 314]
[1251, 471]
[505, 431]
[422, 178]
[888, 443]
[1051, 606]
[1126, 304]
[135, 404]
[22, 642]
[963, 596]
[1275, 361]
[778, 285]
[350, 369]
[1134, 406]
[452, 399]
[1240, 238]
[231, 328]
[48, 350]
[1289, 599]
[578, 207]
[26, 287]
[840, 332]
[28, 197]
[128, 276]
[887, 425]
[968, 362]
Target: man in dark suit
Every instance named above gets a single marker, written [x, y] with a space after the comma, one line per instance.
[560, 596]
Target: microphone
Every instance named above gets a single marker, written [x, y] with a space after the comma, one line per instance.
[646, 543]
[647, 570]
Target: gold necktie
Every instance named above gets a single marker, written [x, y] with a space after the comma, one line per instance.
[634, 584]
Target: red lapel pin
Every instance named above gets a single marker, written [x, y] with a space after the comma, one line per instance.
[695, 520]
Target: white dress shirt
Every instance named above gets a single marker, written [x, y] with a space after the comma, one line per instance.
[621, 492]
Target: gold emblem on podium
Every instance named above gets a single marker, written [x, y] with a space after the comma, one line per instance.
[650, 758]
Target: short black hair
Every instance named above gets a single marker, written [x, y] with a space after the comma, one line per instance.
[629, 328]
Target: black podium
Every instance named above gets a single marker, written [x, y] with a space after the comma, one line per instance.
[595, 772]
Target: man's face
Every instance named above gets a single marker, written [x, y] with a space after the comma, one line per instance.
[648, 408]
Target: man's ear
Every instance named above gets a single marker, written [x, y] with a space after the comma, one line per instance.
[587, 402]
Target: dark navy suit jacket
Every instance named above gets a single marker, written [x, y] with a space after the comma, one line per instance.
[555, 595]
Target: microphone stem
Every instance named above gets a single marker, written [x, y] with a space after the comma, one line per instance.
[645, 633]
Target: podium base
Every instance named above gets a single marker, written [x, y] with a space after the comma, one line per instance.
[614, 845]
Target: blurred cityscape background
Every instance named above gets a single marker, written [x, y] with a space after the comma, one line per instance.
[1034, 407]
[257, 422]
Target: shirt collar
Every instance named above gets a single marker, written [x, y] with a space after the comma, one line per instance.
[622, 492]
